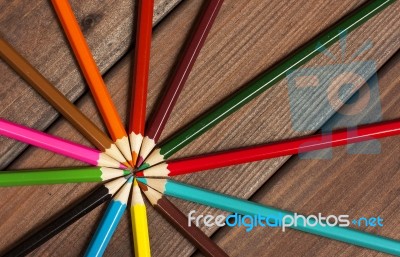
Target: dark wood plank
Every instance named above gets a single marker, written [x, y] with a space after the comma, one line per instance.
[246, 39]
[32, 28]
[357, 185]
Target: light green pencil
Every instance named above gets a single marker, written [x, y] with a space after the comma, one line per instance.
[59, 176]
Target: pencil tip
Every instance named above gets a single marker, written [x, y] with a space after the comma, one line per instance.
[134, 159]
[142, 180]
[127, 172]
[140, 161]
[127, 177]
[144, 166]
[127, 164]
[142, 186]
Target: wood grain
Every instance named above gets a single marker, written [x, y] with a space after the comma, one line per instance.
[247, 38]
[33, 29]
[357, 185]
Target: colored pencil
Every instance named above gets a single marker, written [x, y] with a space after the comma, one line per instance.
[109, 222]
[245, 207]
[177, 81]
[140, 75]
[93, 77]
[49, 92]
[140, 228]
[179, 220]
[59, 176]
[57, 145]
[273, 150]
[101, 194]
[267, 80]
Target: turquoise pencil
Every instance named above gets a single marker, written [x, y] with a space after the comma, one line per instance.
[109, 222]
[244, 207]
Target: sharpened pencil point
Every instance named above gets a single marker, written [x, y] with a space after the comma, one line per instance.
[134, 159]
[142, 180]
[127, 172]
[130, 179]
[140, 161]
[136, 194]
[139, 174]
[125, 149]
[144, 166]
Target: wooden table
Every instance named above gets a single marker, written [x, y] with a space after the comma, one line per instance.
[247, 38]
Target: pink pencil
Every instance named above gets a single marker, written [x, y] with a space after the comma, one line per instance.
[57, 145]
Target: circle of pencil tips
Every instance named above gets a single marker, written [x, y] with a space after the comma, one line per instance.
[130, 165]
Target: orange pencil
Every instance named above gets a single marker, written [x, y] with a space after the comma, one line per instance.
[93, 77]
[140, 75]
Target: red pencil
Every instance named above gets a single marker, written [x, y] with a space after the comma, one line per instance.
[140, 75]
[273, 150]
[177, 81]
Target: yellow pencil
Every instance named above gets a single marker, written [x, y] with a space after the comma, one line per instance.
[140, 229]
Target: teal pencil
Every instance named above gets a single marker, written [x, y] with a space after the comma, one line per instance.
[109, 222]
[59, 176]
[244, 207]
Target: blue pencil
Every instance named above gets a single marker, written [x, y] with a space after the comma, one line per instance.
[109, 222]
[244, 207]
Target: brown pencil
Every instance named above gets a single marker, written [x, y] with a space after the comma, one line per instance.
[91, 132]
[179, 220]
[157, 122]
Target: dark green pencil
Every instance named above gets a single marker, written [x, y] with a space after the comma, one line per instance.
[59, 176]
[267, 80]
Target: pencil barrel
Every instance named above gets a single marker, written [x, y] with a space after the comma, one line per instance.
[48, 177]
[278, 149]
[271, 77]
[245, 207]
[183, 68]
[179, 220]
[60, 222]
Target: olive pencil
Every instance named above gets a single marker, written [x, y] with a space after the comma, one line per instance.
[267, 80]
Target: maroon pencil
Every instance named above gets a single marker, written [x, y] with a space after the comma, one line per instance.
[180, 222]
[157, 122]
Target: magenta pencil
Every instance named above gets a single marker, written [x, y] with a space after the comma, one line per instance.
[57, 145]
